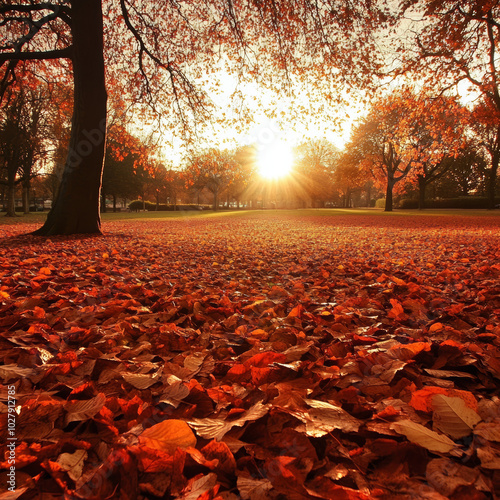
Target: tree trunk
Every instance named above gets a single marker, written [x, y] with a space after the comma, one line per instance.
[388, 195]
[76, 208]
[11, 200]
[492, 178]
[421, 192]
[216, 201]
[26, 197]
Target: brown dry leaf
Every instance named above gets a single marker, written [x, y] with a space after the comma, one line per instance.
[488, 430]
[424, 437]
[73, 463]
[448, 374]
[453, 417]
[168, 436]
[254, 489]
[198, 487]
[489, 457]
[140, 380]
[446, 476]
[83, 410]
[13, 495]
[220, 452]
[324, 417]
[212, 428]
[8, 372]
[174, 394]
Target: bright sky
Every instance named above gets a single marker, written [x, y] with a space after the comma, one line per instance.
[277, 124]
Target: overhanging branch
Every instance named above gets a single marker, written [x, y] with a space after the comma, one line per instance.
[65, 53]
[57, 9]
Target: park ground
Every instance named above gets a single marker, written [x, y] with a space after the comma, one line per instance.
[276, 354]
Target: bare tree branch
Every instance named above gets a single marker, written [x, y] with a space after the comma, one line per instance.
[65, 53]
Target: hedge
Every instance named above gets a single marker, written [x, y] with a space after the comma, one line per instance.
[151, 207]
[466, 202]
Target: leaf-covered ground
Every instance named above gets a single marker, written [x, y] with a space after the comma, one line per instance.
[263, 356]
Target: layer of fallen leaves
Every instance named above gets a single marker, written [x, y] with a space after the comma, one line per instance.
[255, 357]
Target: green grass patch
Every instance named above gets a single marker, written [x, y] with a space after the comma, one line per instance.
[308, 212]
[39, 217]
[20, 218]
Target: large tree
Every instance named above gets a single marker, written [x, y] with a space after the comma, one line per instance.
[378, 147]
[405, 132]
[161, 49]
[455, 42]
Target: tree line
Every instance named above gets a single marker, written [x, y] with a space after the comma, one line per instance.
[407, 144]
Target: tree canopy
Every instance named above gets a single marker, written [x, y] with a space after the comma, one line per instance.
[159, 52]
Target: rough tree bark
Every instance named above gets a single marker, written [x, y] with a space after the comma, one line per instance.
[76, 208]
[388, 194]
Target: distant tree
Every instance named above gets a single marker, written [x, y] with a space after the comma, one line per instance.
[243, 184]
[127, 162]
[468, 170]
[485, 124]
[314, 168]
[156, 182]
[436, 133]
[465, 176]
[21, 140]
[348, 179]
[175, 184]
[214, 169]
[119, 179]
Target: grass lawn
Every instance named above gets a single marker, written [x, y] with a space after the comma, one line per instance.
[39, 217]
[308, 354]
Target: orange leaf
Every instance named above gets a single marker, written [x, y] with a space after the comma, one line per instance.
[422, 400]
[168, 436]
[296, 312]
[436, 327]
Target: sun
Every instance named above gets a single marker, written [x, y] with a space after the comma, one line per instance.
[275, 160]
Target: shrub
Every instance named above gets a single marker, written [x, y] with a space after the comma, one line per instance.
[407, 204]
[464, 202]
[164, 208]
[380, 203]
[137, 205]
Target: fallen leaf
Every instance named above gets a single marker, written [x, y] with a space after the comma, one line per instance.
[84, 409]
[211, 428]
[324, 417]
[453, 417]
[424, 437]
[488, 430]
[168, 436]
[253, 489]
[422, 399]
[73, 463]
